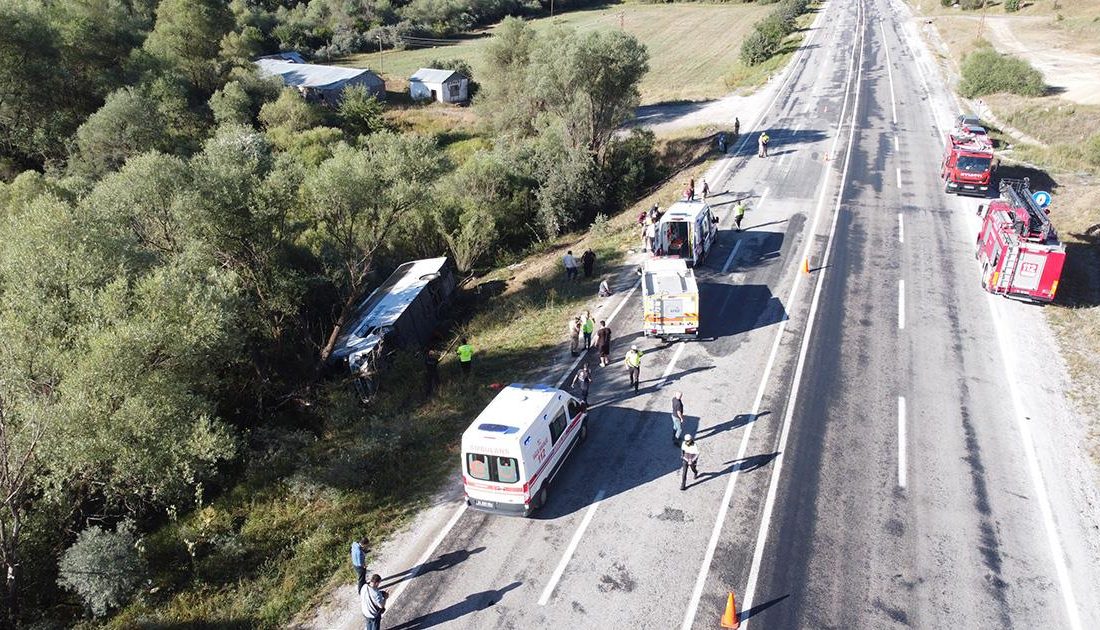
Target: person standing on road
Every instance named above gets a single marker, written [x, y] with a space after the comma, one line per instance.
[574, 335]
[763, 142]
[588, 261]
[588, 325]
[650, 235]
[373, 602]
[691, 189]
[736, 127]
[359, 549]
[603, 343]
[582, 382]
[570, 265]
[738, 214]
[465, 357]
[634, 366]
[689, 458]
[677, 417]
[706, 189]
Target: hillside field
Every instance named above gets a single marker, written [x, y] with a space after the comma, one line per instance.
[692, 47]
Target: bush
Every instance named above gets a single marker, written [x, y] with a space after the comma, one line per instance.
[971, 5]
[1092, 150]
[757, 47]
[989, 72]
[1012, 6]
[947, 3]
[103, 568]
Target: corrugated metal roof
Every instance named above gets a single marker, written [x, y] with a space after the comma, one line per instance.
[432, 75]
[308, 75]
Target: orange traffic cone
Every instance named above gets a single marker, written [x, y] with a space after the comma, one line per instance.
[729, 618]
[805, 265]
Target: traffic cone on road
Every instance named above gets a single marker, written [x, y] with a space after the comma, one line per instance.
[805, 265]
[729, 618]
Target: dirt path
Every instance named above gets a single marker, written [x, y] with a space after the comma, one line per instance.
[1074, 74]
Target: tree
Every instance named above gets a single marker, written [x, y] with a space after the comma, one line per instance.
[30, 77]
[20, 438]
[128, 123]
[361, 112]
[103, 568]
[231, 105]
[187, 39]
[289, 111]
[475, 199]
[355, 198]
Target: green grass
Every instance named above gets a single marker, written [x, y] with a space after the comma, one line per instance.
[692, 47]
[743, 76]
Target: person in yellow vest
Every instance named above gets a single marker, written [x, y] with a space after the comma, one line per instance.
[465, 357]
[634, 365]
[763, 142]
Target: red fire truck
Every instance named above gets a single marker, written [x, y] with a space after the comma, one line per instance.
[967, 161]
[1018, 248]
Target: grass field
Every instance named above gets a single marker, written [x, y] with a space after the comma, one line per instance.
[692, 47]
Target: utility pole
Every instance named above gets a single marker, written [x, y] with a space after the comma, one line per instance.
[381, 57]
[551, 8]
[981, 21]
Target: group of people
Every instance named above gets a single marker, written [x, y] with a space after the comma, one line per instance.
[372, 599]
[648, 221]
[572, 269]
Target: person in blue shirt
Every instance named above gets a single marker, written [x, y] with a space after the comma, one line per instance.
[359, 551]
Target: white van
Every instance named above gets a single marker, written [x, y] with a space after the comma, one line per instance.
[515, 447]
[670, 299]
[688, 229]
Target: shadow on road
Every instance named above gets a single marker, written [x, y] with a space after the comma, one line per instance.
[442, 563]
[472, 603]
[756, 610]
[731, 309]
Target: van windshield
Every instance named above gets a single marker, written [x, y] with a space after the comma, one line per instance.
[492, 468]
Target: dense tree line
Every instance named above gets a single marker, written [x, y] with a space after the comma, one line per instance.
[182, 238]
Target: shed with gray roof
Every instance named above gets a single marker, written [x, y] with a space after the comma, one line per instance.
[325, 84]
[445, 86]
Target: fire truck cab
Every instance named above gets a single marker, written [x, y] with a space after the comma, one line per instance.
[967, 161]
[1017, 246]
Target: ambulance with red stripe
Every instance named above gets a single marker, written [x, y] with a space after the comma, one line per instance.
[517, 445]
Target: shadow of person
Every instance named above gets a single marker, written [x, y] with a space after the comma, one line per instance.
[442, 563]
[737, 422]
[747, 464]
[472, 603]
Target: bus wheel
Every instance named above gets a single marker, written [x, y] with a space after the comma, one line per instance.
[541, 499]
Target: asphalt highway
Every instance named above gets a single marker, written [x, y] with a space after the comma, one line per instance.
[862, 462]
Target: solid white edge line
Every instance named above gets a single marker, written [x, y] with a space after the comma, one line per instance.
[609, 319]
[708, 557]
[549, 590]
[672, 362]
[733, 254]
[901, 229]
[427, 555]
[899, 177]
[1034, 472]
[902, 466]
[901, 305]
[889, 74]
[792, 400]
[897, 144]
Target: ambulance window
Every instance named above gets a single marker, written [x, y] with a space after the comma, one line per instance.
[478, 465]
[574, 408]
[507, 470]
[557, 427]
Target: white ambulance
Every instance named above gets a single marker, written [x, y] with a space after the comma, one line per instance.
[688, 229]
[515, 447]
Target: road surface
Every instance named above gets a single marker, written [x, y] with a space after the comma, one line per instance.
[864, 462]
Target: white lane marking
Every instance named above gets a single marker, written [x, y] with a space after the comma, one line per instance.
[897, 145]
[716, 532]
[672, 363]
[792, 400]
[733, 254]
[609, 319]
[889, 73]
[901, 229]
[899, 177]
[901, 304]
[901, 442]
[1036, 475]
[549, 590]
[427, 555]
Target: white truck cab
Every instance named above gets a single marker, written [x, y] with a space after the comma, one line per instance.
[513, 450]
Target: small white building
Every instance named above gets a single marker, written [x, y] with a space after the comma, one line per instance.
[325, 84]
[445, 86]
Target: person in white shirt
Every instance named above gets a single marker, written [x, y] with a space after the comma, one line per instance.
[570, 265]
[689, 457]
[373, 601]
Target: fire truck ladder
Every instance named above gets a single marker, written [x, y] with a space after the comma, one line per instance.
[1008, 273]
[1018, 193]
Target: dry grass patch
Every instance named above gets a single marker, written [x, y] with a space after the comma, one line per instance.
[692, 47]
